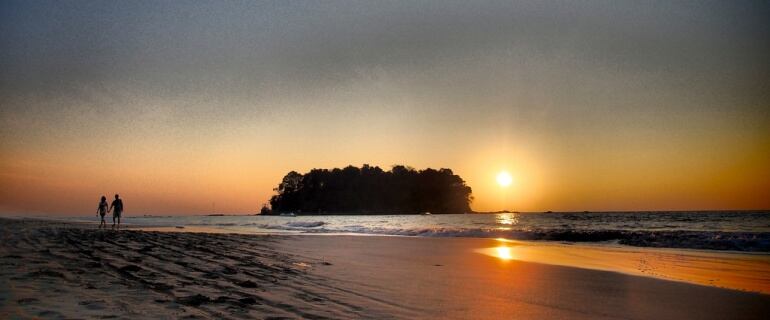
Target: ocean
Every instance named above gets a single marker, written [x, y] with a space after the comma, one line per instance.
[747, 231]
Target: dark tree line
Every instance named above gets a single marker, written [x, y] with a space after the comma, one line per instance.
[353, 190]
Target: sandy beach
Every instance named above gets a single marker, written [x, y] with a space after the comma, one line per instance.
[67, 270]
[382, 160]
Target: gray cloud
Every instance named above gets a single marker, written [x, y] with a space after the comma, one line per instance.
[242, 58]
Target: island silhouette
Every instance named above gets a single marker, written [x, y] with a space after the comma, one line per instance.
[371, 190]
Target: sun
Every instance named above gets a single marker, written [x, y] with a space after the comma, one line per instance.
[504, 179]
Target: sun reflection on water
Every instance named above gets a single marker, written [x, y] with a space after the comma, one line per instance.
[508, 219]
[506, 250]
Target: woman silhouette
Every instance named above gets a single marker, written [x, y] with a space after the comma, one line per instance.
[102, 211]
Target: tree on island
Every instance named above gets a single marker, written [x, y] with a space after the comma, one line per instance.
[370, 190]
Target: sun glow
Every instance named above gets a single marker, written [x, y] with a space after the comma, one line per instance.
[505, 250]
[504, 253]
[504, 179]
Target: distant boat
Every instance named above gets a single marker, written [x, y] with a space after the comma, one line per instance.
[289, 214]
[426, 213]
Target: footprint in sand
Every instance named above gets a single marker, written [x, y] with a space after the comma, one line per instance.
[27, 301]
[247, 284]
[223, 299]
[228, 270]
[194, 301]
[50, 314]
[161, 286]
[248, 300]
[46, 273]
[130, 268]
[92, 304]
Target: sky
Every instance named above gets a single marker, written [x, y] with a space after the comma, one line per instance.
[196, 107]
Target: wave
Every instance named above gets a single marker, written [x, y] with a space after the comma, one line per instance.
[659, 235]
[215, 224]
[305, 224]
[710, 240]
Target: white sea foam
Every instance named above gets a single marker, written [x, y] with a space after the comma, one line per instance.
[305, 224]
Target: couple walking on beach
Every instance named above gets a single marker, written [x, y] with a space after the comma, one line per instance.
[116, 207]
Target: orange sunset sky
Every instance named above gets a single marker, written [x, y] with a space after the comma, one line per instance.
[202, 107]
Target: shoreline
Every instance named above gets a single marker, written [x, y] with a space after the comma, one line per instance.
[60, 269]
[597, 244]
[750, 271]
[694, 266]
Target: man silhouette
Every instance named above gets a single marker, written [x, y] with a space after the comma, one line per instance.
[117, 210]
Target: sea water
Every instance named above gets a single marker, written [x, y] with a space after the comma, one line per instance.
[716, 230]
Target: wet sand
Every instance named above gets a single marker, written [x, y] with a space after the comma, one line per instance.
[66, 270]
[723, 269]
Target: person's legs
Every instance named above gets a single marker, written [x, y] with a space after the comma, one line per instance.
[117, 216]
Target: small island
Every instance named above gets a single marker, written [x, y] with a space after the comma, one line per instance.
[371, 190]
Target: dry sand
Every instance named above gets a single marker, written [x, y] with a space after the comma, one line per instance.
[64, 270]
